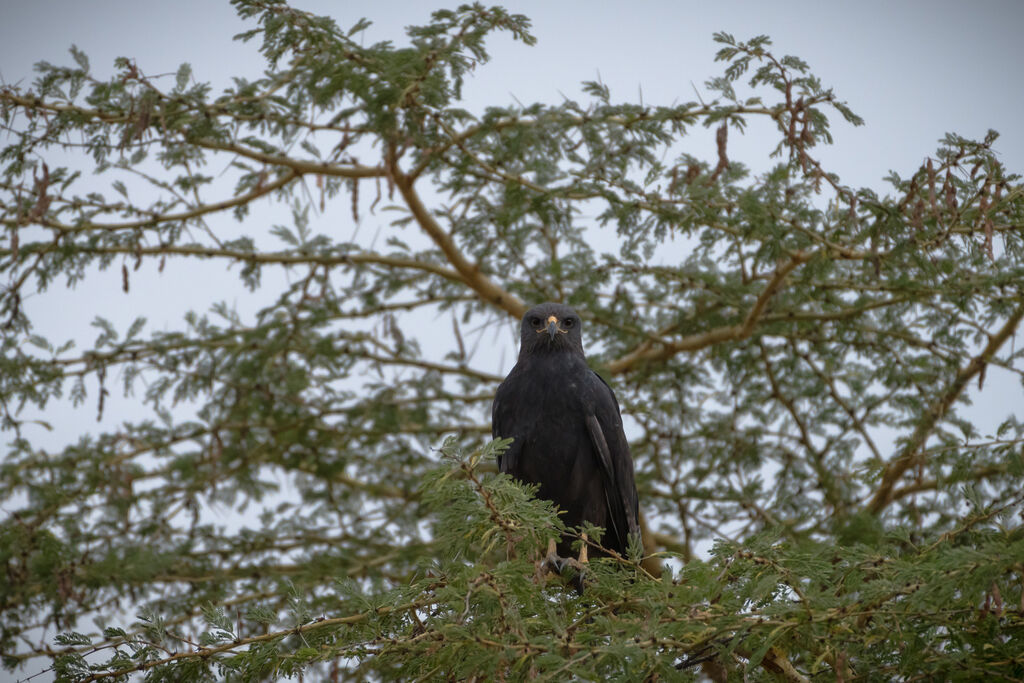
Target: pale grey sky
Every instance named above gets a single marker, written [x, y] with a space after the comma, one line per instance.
[913, 70]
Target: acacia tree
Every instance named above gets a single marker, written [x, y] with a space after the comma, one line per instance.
[768, 336]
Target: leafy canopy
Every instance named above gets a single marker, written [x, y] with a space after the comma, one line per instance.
[793, 356]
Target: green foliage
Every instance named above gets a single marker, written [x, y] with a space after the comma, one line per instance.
[768, 337]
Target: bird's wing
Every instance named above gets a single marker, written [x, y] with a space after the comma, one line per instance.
[501, 429]
[604, 425]
[614, 502]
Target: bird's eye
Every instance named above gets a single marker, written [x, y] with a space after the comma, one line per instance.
[569, 322]
[535, 322]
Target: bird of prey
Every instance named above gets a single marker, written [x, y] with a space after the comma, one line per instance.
[567, 432]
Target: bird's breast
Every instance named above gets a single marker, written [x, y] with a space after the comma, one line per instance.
[547, 411]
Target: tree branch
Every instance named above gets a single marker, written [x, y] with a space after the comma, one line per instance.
[648, 351]
[297, 165]
[207, 652]
[156, 219]
[470, 273]
[910, 454]
[316, 167]
[285, 258]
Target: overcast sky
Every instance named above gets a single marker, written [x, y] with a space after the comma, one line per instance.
[912, 70]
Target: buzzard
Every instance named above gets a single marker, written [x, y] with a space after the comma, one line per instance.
[567, 432]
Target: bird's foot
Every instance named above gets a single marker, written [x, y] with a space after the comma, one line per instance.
[549, 566]
[554, 563]
[568, 567]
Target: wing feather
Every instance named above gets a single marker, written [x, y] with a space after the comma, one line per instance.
[617, 513]
[501, 427]
[609, 440]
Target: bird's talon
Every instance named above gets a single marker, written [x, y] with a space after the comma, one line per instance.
[550, 566]
[567, 567]
[579, 573]
[553, 564]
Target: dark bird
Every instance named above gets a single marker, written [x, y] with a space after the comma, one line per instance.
[566, 430]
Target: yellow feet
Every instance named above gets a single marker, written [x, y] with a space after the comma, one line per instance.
[555, 564]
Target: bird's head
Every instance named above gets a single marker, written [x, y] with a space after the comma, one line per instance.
[551, 327]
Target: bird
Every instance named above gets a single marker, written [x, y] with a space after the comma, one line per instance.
[567, 435]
